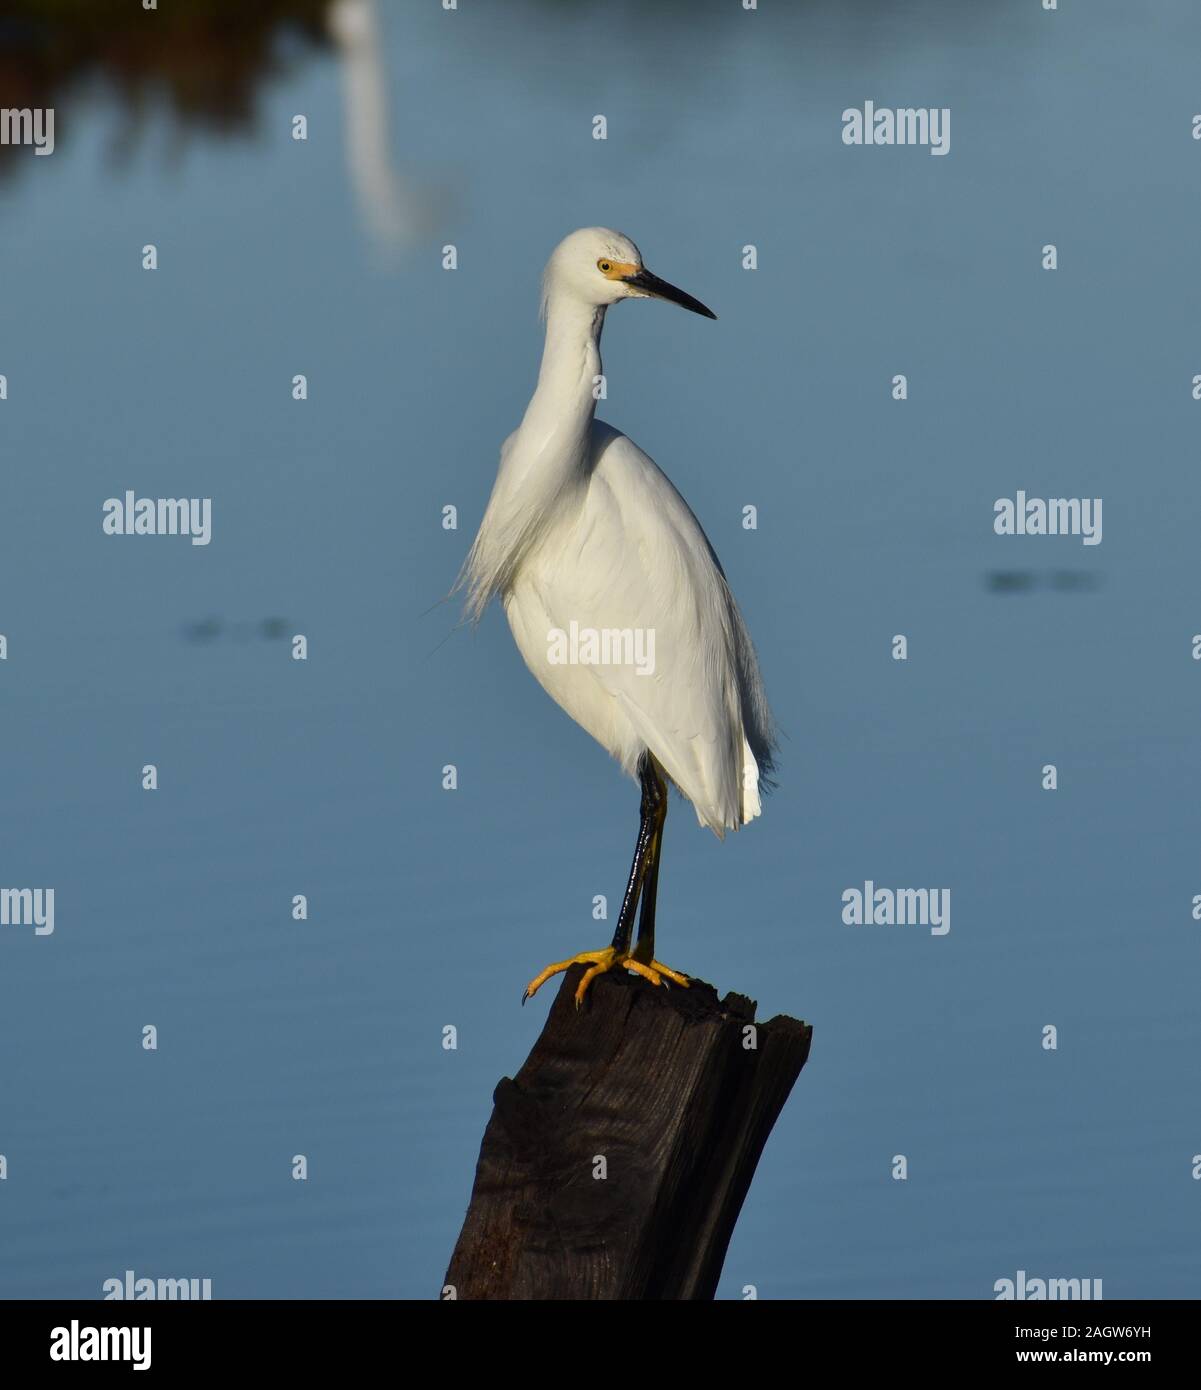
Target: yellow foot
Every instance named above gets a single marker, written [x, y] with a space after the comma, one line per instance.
[600, 961]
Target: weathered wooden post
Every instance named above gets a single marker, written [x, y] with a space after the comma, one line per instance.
[616, 1162]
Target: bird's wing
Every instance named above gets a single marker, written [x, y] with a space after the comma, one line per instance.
[636, 560]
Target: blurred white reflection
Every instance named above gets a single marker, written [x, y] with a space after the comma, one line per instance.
[395, 211]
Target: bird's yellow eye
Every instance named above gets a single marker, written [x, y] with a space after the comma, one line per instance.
[604, 267]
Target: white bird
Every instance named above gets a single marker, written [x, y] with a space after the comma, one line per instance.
[585, 535]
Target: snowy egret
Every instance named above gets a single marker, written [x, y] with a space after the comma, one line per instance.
[583, 534]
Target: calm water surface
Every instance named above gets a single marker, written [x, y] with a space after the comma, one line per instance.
[277, 777]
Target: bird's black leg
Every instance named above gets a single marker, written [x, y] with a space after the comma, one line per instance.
[651, 784]
[644, 950]
[644, 884]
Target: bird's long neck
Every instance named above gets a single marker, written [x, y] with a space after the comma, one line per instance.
[545, 467]
[560, 413]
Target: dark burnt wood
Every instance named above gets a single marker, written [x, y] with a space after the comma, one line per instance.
[660, 1084]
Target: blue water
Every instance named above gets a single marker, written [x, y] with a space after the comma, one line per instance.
[431, 908]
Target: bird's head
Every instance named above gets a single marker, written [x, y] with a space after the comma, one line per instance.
[597, 266]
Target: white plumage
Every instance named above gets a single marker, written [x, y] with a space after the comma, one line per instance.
[633, 556]
[583, 528]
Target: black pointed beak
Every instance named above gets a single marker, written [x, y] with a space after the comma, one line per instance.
[651, 284]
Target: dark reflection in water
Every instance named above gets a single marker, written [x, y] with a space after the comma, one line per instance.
[209, 629]
[206, 59]
[1025, 581]
[203, 59]
[199, 65]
